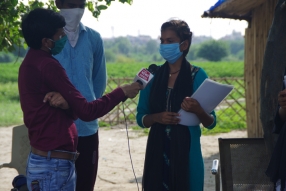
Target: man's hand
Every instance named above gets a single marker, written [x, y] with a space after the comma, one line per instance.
[56, 100]
[191, 105]
[131, 90]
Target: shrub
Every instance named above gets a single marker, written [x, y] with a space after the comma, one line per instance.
[213, 50]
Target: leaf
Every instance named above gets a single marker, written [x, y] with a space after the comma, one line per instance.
[90, 6]
[108, 2]
[96, 13]
[126, 1]
[101, 7]
[14, 2]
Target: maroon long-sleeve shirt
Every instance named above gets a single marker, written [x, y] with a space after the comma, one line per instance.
[53, 128]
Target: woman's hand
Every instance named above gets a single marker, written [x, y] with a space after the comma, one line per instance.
[191, 105]
[167, 118]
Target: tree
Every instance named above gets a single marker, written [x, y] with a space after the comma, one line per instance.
[213, 50]
[110, 56]
[236, 46]
[192, 55]
[123, 45]
[6, 57]
[274, 64]
[11, 12]
[151, 46]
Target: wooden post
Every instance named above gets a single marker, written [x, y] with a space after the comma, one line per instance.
[274, 64]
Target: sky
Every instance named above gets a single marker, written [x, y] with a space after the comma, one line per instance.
[145, 17]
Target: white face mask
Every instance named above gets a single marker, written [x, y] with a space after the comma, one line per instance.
[72, 18]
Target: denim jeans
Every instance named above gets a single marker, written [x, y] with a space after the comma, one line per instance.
[49, 174]
[278, 185]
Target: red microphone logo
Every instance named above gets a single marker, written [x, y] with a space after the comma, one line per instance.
[144, 74]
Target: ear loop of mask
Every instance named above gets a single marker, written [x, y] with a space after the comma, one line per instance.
[52, 41]
[181, 44]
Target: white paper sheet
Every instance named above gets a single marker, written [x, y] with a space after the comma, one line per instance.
[209, 95]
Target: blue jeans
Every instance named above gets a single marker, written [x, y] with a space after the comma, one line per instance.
[49, 174]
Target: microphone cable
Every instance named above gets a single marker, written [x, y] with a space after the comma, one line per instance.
[129, 145]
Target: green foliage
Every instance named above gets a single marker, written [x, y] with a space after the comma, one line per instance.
[145, 49]
[151, 47]
[124, 70]
[11, 12]
[9, 92]
[137, 49]
[124, 59]
[6, 57]
[110, 56]
[10, 113]
[104, 124]
[213, 69]
[192, 55]
[123, 45]
[96, 8]
[222, 69]
[240, 55]
[142, 131]
[235, 46]
[213, 50]
[226, 122]
[9, 72]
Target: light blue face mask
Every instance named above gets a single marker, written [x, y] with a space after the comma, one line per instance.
[171, 52]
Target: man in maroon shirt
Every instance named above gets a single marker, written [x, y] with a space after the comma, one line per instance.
[52, 132]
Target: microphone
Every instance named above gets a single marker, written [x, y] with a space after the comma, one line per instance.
[215, 166]
[144, 76]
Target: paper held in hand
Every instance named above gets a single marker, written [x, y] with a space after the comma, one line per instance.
[209, 95]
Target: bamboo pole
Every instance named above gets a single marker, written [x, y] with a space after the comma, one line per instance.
[255, 43]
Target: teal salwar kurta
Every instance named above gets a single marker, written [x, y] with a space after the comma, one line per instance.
[196, 164]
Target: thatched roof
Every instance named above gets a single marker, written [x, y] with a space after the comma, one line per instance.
[234, 9]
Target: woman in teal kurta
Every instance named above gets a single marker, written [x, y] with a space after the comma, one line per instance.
[159, 172]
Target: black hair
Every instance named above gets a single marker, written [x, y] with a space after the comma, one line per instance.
[40, 23]
[182, 29]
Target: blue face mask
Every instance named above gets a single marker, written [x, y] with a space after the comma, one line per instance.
[171, 52]
[59, 45]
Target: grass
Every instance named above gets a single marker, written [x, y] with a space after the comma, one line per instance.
[9, 71]
[213, 69]
[10, 111]
[222, 69]
[142, 131]
[226, 122]
[10, 114]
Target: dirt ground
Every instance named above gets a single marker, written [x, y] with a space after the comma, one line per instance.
[115, 171]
